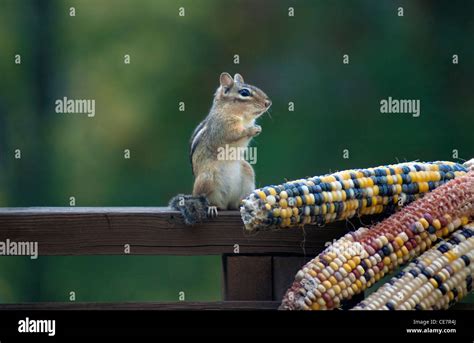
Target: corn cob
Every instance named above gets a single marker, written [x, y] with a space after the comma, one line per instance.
[436, 280]
[360, 258]
[345, 194]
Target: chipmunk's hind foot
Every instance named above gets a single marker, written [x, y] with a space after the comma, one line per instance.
[212, 212]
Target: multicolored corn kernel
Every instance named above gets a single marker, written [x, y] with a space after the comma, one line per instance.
[436, 280]
[323, 199]
[361, 258]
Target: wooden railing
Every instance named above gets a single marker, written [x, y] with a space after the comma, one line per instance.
[256, 269]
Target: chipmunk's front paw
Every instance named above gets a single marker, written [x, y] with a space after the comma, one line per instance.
[212, 211]
[255, 130]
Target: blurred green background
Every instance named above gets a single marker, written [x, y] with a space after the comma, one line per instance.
[293, 59]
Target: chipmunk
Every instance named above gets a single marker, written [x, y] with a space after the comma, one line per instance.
[222, 184]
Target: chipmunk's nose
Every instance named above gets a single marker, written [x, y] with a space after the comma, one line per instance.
[268, 103]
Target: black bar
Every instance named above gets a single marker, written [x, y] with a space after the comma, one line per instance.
[84, 324]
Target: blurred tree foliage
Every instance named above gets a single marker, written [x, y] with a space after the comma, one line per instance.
[294, 59]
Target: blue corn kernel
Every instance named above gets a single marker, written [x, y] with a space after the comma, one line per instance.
[438, 279]
[426, 273]
[443, 289]
[466, 260]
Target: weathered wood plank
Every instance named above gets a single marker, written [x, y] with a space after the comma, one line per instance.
[248, 278]
[162, 306]
[151, 230]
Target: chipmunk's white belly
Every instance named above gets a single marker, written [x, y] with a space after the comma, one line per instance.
[232, 180]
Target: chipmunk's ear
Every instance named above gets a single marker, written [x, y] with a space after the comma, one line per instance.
[226, 80]
[238, 78]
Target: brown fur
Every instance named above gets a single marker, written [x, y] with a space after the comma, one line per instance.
[231, 121]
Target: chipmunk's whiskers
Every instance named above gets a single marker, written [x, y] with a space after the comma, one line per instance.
[269, 114]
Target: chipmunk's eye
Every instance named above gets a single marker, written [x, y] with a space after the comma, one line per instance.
[244, 92]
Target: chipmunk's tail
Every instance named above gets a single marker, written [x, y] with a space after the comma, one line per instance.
[194, 209]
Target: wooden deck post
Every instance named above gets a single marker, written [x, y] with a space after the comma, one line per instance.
[247, 278]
